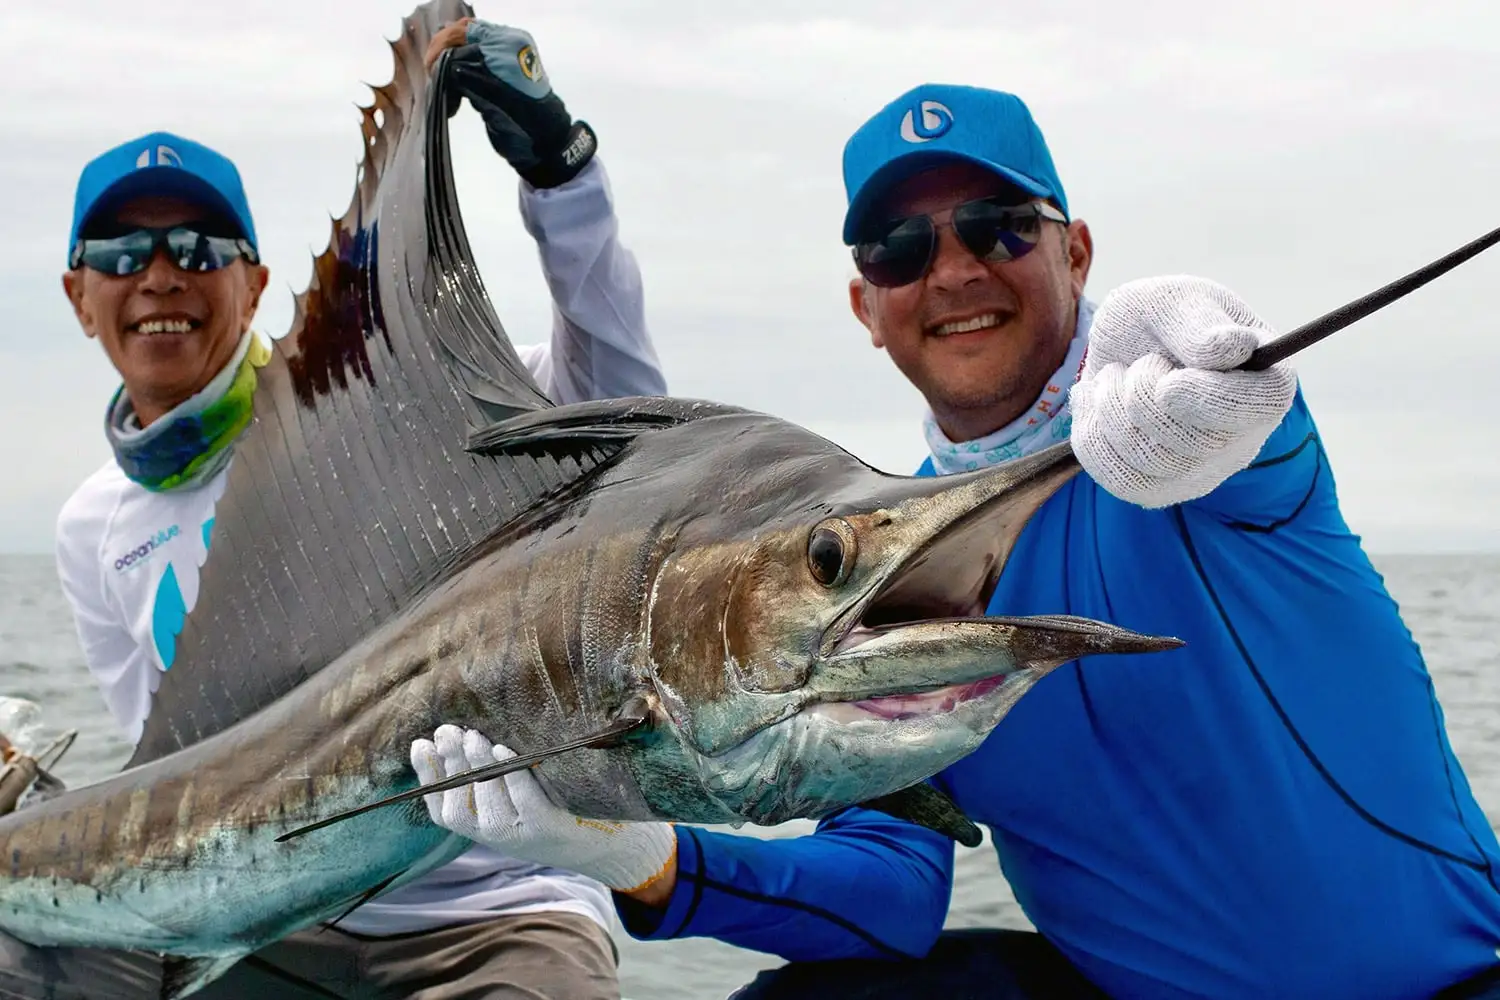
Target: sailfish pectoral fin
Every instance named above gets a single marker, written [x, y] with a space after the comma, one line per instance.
[927, 806]
[632, 717]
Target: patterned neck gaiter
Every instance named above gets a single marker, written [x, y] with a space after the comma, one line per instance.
[1046, 422]
[190, 444]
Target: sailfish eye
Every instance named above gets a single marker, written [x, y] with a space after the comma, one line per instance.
[831, 550]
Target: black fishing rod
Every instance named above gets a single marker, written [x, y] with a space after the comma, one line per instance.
[1308, 334]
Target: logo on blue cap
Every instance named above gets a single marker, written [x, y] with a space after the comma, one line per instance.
[926, 122]
[161, 156]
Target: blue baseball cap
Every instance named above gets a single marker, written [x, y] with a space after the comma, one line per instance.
[937, 122]
[160, 164]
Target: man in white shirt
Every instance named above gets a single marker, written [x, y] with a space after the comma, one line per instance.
[164, 272]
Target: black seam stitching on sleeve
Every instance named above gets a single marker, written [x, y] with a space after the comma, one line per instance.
[817, 911]
[1437, 729]
[701, 881]
[693, 877]
[1312, 486]
[1359, 810]
[1286, 456]
[1075, 666]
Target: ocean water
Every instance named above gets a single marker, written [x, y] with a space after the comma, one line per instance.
[1451, 603]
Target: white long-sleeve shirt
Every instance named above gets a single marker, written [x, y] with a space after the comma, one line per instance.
[129, 558]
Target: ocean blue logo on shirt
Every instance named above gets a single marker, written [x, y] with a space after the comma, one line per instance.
[167, 616]
[926, 121]
[169, 611]
[136, 555]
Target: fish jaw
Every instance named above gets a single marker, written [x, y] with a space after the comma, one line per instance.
[897, 705]
[846, 753]
[827, 757]
[946, 655]
[893, 707]
[890, 707]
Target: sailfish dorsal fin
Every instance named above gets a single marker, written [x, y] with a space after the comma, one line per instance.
[352, 489]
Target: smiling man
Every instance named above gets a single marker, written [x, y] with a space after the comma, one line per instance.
[164, 272]
[1272, 811]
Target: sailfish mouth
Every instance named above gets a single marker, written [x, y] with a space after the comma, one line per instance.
[899, 707]
[952, 576]
[919, 642]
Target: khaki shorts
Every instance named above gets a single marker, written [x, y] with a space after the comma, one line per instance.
[530, 956]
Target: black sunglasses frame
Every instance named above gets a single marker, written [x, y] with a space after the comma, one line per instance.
[188, 248]
[991, 229]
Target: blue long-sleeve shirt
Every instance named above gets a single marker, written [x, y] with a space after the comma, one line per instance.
[1273, 810]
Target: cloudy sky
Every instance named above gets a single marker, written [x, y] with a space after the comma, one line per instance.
[1302, 154]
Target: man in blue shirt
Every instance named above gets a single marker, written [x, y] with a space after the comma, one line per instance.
[1272, 811]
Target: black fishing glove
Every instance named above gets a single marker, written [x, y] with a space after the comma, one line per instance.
[500, 73]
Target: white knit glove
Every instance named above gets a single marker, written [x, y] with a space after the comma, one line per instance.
[1159, 417]
[512, 815]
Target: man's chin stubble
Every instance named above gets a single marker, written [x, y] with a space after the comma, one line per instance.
[990, 408]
